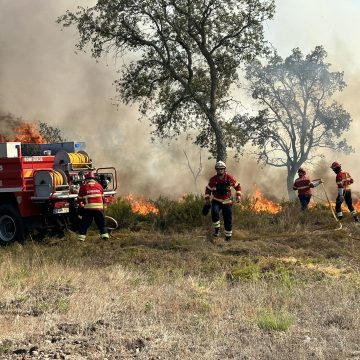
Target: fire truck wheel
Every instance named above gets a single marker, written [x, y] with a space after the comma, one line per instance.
[11, 225]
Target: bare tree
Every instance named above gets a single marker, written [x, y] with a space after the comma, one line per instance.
[298, 116]
[195, 173]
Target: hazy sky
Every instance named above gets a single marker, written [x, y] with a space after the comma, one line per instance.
[41, 78]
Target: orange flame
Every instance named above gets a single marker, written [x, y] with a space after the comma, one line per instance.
[140, 206]
[260, 203]
[357, 205]
[25, 133]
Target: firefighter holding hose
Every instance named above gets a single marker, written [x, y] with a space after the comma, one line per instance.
[343, 181]
[219, 187]
[303, 186]
[91, 201]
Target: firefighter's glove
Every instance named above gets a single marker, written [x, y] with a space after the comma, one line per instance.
[341, 198]
[238, 198]
[206, 208]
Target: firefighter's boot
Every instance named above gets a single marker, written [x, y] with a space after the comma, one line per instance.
[104, 236]
[216, 232]
[339, 215]
[356, 218]
[227, 238]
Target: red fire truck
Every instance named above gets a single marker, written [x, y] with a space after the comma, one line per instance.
[39, 184]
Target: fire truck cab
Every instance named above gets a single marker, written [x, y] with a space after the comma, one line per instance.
[39, 186]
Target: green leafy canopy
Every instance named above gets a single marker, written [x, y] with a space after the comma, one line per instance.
[185, 57]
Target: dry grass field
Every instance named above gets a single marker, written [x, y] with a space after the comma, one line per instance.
[287, 288]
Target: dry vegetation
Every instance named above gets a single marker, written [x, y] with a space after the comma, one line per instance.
[286, 287]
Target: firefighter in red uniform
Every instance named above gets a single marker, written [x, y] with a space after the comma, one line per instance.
[303, 185]
[343, 181]
[91, 200]
[219, 187]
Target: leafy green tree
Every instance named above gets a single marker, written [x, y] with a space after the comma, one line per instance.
[50, 133]
[182, 57]
[298, 116]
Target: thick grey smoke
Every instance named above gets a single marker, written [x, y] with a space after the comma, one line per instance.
[42, 79]
[306, 24]
[8, 125]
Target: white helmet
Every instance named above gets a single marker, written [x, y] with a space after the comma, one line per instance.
[220, 165]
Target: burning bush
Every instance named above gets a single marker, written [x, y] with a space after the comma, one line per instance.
[16, 129]
[122, 212]
[186, 213]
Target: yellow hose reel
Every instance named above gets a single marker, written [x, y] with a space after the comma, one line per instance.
[78, 160]
[48, 181]
[57, 178]
[70, 161]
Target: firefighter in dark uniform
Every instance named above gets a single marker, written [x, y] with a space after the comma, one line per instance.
[303, 185]
[343, 181]
[91, 201]
[219, 187]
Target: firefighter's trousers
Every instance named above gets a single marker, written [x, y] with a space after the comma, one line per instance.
[304, 201]
[226, 210]
[348, 201]
[88, 216]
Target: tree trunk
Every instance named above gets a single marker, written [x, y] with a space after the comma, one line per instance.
[290, 182]
[221, 153]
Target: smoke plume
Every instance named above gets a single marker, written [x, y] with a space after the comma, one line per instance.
[43, 79]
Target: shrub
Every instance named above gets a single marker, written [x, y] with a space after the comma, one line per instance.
[274, 320]
[186, 213]
[180, 215]
[5, 347]
[248, 271]
[121, 211]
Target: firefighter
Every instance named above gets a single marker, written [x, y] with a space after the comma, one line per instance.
[219, 187]
[343, 181]
[303, 186]
[91, 201]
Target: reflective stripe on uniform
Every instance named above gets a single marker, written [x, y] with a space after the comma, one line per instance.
[227, 233]
[216, 224]
[94, 206]
[342, 183]
[91, 196]
[81, 237]
[353, 212]
[302, 187]
[345, 180]
[339, 213]
[105, 236]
